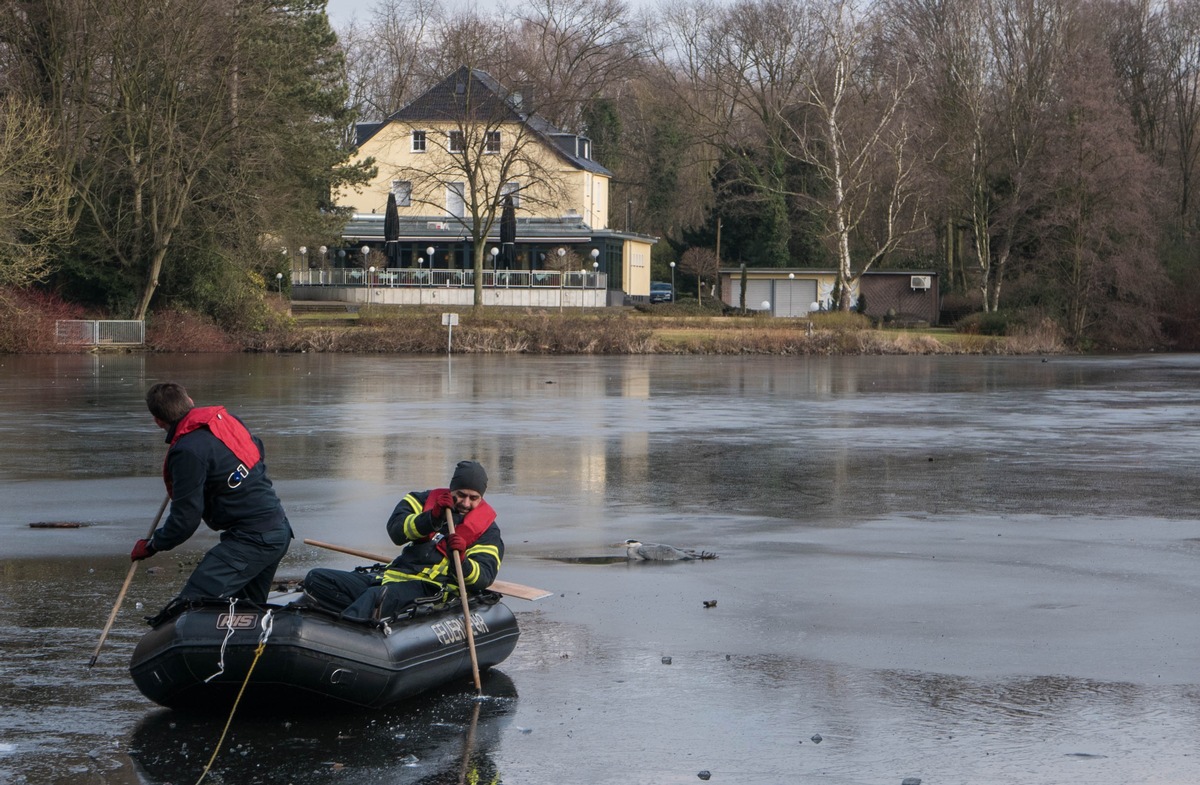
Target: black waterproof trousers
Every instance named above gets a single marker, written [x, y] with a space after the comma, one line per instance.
[241, 565]
[359, 596]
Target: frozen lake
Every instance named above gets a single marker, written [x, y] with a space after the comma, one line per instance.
[962, 569]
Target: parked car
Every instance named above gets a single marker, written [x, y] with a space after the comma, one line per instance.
[661, 292]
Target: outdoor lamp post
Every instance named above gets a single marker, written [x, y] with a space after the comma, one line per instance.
[370, 281]
[672, 282]
[562, 276]
[595, 254]
[279, 285]
[366, 251]
[495, 252]
[429, 258]
[791, 277]
[303, 257]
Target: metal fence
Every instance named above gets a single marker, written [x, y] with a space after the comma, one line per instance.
[404, 276]
[95, 332]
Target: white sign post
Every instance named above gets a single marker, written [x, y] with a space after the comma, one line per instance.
[449, 319]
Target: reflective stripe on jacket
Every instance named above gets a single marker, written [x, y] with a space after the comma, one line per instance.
[414, 527]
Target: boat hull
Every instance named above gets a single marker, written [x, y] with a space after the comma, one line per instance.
[311, 656]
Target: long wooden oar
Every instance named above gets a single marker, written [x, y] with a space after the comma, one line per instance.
[466, 605]
[506, 588]
[128, 579]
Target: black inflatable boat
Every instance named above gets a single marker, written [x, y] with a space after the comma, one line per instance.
[198, 658]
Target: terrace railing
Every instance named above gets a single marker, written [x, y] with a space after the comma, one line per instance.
[408, 277]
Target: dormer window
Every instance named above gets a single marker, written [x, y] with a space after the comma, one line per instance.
[585, 148]
[456, 142]
[418, 141]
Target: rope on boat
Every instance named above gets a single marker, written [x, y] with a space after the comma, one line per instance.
[225, 641]
[268, 624]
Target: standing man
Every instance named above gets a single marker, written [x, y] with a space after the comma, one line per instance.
[424, 570]
[215, 473]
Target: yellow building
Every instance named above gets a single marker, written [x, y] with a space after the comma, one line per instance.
[452, 158]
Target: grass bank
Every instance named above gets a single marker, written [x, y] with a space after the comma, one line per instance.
[669, 329]
[631, 331]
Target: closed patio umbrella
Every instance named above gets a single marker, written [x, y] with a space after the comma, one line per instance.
[508, 232]
[391, 231]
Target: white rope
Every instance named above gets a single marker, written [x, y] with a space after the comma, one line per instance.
[228, 635]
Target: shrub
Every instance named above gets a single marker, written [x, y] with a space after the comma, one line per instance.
[840, 321]
[183, 331]
[27, 318]
[983, 323]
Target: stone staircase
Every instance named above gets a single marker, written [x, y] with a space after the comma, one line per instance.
[322, 307]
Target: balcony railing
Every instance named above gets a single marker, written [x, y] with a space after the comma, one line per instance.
[408, 277]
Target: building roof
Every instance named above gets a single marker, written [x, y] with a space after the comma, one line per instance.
[470, 91]
[571, 229]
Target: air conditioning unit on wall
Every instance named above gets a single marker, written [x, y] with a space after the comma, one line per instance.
[920, 281]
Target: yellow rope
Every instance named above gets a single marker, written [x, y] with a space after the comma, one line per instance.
[258, 652]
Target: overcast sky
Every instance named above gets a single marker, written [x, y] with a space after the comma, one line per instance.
[342, 11]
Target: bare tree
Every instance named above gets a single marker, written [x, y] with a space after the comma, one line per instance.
[564, 260]
[1141, 53]
[389, 58]
[474, 39]
[572, 52]
[850, 126]
[1026, 40]
[946, 48]
[1094, 227]
[1183, 38]
[702, 263]
[34, 195]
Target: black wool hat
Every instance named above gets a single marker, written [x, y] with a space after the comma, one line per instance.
[469, 475]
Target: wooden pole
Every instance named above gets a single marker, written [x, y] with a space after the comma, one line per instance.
[466, 605]
[124, 588]
[506, 588]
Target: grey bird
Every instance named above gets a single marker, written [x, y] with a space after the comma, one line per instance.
[649, 551]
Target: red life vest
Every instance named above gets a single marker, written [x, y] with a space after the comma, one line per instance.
[221, 424]
[474, 523]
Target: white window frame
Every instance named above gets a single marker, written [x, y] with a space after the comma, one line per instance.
[511, 187]
[418, 141]
[491, 143]
[455, 136]
[403, 192]
[456, 196]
